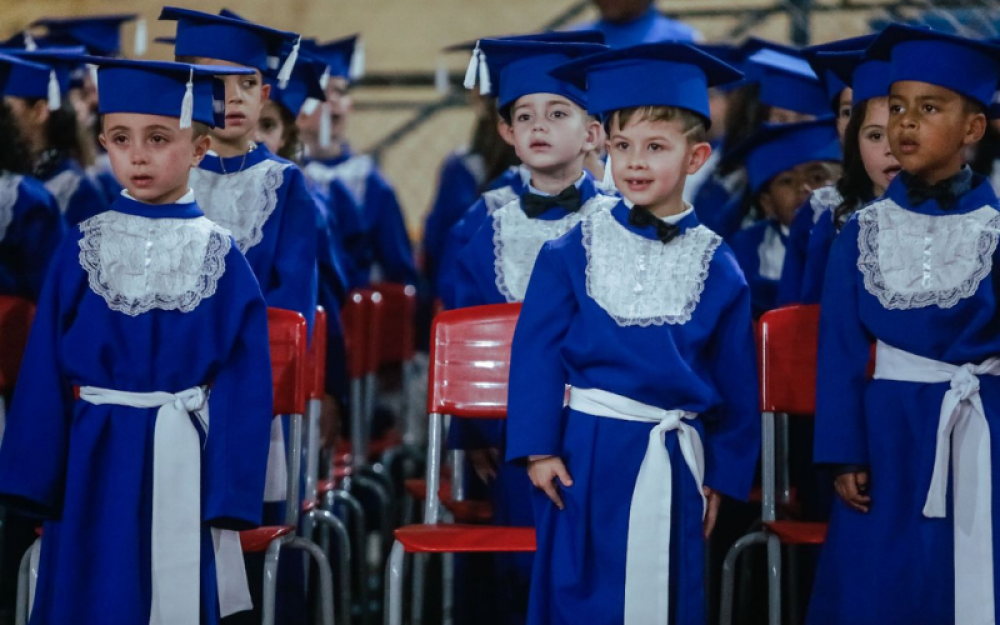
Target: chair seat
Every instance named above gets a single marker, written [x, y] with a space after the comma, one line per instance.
[798, 532]
[470, 510]
[257, 540]
[465, 539]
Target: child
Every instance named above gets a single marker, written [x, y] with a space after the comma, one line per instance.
[785, 164]
[643, 312]
[869, 167]
[30, 224]
[383, 241]
[913, 272]
[147, 307]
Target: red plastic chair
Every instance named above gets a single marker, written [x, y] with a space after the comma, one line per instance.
[362, 318]
[469, 365]
[787, 348]
[16, 315]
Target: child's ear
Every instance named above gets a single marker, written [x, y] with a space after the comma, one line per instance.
[975, 129]
[506, 131]
[698, 155]
[766, 202]
[200, 145]
[265, 93]
[103, 141]
[595, 135]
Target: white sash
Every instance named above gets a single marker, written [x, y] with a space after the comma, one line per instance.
[176, 530]
[276, 478]
[963, 438]
[647, 561]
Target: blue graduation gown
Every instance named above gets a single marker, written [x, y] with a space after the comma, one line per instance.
[720, 204]
[822, 201]
[76, 193]
[264, 202]
[85, 469]
[31, 228]
[611, 307]
[332, 292]
[105, 178]
[919, 279]
[760, 251]
[384, 241]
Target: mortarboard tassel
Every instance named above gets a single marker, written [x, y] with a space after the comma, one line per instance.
[324, 80]
[309, 106]
[484, 75]
[470, 72]
[187, 104]
[55, 98]
[93, 73]
[141, 37]
[286, 70]
[609, 179]
[442, 82]
[29, 43]
[325, 131]
[357, 69]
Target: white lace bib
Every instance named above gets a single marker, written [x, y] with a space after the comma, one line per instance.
[353, 173]
[240, 202]
[517, 240]
[62, 186]
[910, 260]
[8, 197]
[640, 281]
[498, 198]
[137, 264]
[824, 199]
[771, 254]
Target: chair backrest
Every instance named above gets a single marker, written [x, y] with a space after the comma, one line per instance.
[16, 315]
[396, 340]
[288, 337]
[316, 381]
[788, 344]
[362, 319]
[470, 361]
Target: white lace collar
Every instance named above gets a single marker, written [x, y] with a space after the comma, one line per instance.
[63, 186]
[670, 219]
[187, 198]
[912, 260]
[240, 202]
[9, 184]
[824, 199]
[353, 173]
[137, 264]
[497, 198]
[517, 240]
[771, 252]
[640, 281]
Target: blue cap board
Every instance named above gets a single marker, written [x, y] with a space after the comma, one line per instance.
[344, 57]
[833, 84]
[651, 74]
[51, 83]
[308, 82]
[869, 78]
[100, 34]
[272, 52]
[787, 82]
[9, 62]
[516, 68]
[189, 92]
[775, 148]
[965, 66]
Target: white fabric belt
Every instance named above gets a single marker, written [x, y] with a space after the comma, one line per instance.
[276, 478]
[176, 530]
[647, 561]
[963, 439]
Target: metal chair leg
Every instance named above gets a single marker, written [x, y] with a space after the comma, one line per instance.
[448, 592]
[356, 515]
[330, 521]
[24, 584]
[394, 586]
[385, 512]
[774, 580]
[270, 583]
[326, 602]
[726, 606]
[417, 593]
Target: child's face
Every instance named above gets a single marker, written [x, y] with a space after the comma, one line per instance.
[777, 115]
[30, 119]
[151, 155]
[650, 161]
[873, 141]
[929, 129]
[245, 97]
[844, 111]
[271, 128]
[790, 189]
[549, 132]
[339, 103]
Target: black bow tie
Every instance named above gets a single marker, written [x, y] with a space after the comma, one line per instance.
[642, 218]
[945, 192]
[569, 199]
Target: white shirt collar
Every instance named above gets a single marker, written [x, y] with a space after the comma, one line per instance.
[526, 181]
[187, 198]
[670, 219]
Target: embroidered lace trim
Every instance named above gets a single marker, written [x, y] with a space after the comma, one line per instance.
[240, 202]
[137, 264]
[62, 187]
[498, 198]
[8, 198]
[910, 260]
[824, 199]
[353, 173]
[640, 281]
[517, 240]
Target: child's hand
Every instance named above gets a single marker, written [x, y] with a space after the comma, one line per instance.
[543, 470]
[712, 500]
[484, 463]
[853, 489]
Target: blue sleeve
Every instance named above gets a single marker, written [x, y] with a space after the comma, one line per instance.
[393, 250]
[295, 261]
[732, 431]
[458, 238]
[329, 254]
[456, 192]
[240, 408]
[790, 286]
[86, 202]
[475, 263]
[844, 350]
[345, 228]
[817, 254]
[719, 209]
[36, 233]
[538, 377]
[35, 450]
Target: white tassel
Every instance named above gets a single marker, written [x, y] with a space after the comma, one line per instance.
[485, 87]
[187, 104]
[29, 43]
[442, 82]
[286, 70]
[55, 98]
[309, 106]
[470, 72]
[324, 80]
[141, 37]
[93, 73]
[609, 179]
[357, 69]
[325, 131]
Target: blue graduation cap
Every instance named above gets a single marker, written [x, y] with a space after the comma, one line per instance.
[189, 92]
[775, 148]
[100, 34]
[787, 82]
[651, 74]
[869, 78]
[831, 81]
[308, 82]
[966, 66]
[9, 62]
[235, 40]
[52, 82]
[521, 67]
[344, 57]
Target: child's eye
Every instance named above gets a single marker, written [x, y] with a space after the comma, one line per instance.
[621, 145]
[249, 83]
[558, 114]
[119, 139]
[158, 139]
[655, 147]
[845, 112]
[267, 125]
[929, 108]
[524, 117]
[875, 136]
[895, 109]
